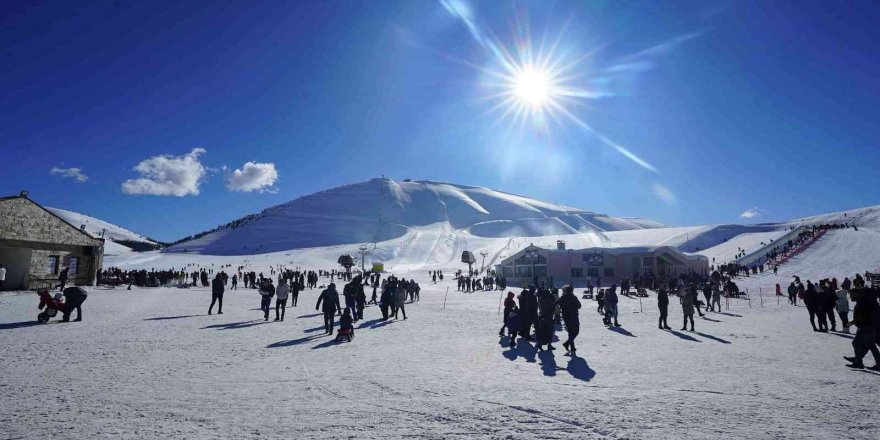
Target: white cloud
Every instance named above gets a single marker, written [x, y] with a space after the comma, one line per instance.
[252, 177]
[168, 175]
[751, 213]
[74, 173]
[663, 193]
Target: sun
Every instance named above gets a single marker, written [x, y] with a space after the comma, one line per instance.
[532, 87]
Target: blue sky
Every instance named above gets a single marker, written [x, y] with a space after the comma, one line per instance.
[733, 106]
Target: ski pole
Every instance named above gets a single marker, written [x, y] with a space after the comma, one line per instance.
[761, 295]
[500, 298]
[444, 297]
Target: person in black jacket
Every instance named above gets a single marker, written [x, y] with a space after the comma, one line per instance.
[509, 304]
[330, 299]
[544, 326]
[217, 294]
[360, 301]
[267, 291]
[663, 305]
[828, 299]
[73, 299]
[528, 312]
[62, 278]
[811, 300]
[570, 307]
[866, 316]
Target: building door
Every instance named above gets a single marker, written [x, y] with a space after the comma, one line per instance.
[17, 262]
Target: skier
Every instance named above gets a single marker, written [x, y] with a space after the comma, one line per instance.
[281, 294]
[330, 299]
[569, 307]
[267, 291]
[509, 304]
[663, 305]
[217, 295]
[866, 317]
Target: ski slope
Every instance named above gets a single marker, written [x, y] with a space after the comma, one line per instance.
[382, 210]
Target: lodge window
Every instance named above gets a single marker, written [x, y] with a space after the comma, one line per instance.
[577, 272]
[593, 272]
[73, 264]
[52, 264]
[608, 272]
[507, 271]
[540, 271]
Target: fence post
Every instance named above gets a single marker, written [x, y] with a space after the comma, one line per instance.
[500, 298]
[761, 295]
[749, 296]
[444, 298]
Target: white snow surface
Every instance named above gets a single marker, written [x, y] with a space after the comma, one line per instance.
[383, 209]
[150, 363]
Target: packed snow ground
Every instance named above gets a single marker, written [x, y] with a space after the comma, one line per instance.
[150, 363]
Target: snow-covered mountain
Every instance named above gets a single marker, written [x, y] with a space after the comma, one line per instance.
[118, 239]
[383, 209]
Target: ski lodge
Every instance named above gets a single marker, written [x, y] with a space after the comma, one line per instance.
[564, 266]
[36, 245]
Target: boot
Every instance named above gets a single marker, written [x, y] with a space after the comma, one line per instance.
[856, 365]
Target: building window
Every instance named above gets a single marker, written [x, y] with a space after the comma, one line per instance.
[52, 264]
[577, 272]
[507, 271]
[593, 272]
[523, 271]
[540, 271]
[73, 264]
[608, 272]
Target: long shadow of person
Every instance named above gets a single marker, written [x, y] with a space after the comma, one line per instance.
[714, 338]
[235, 325]
[163, 318]
[548, 363]
[292, 342]
[326, 344]
[711, 320]
[12, 325]
[683, 336]
[622, 331]
[579, 369]
[523, 348]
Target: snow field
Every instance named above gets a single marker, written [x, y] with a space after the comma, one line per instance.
[149, 363]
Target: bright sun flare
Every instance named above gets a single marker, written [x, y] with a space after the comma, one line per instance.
[532, 87]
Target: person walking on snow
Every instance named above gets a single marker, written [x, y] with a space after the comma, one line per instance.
[267, 291]
[792, 294]
[843, 310]
[866, 318]
[217, 295]
[281, 294]
[687, 307]
[569, 306]
[611, 306]
[328, 301]
[663, 305]
[400, 301]
[509, 304]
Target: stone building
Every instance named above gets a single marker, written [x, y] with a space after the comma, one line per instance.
[610, 264]
[35, 245]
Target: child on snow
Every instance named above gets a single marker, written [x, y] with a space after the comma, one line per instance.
[513, 324]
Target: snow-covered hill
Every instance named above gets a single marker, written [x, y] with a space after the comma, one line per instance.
[383, 209]
[118, 239]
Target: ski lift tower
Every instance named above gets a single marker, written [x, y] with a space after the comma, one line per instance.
[483, 253]
[467, 257]
[365, 250]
